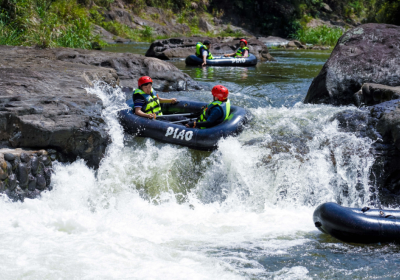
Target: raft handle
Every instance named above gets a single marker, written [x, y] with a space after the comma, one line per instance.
[318, 224]
[365, 209]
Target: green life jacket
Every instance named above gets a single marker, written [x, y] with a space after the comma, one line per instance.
[226, 108]
[199, 50]
[240, 51]
[152, 102]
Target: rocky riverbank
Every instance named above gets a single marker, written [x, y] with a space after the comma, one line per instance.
[25, 173]
[44, 104]
[363, 70]
[181, 47]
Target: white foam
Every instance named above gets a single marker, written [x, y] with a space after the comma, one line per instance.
[159, 211]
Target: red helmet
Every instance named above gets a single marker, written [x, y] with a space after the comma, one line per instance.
[144, 80]
[220, 92]
[244, 41]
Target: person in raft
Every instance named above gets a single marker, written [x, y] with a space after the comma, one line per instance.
[215, 112]
[146, 102]
[243, 50]
[203, 51]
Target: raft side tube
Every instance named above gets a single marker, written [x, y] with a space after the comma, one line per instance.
[356, 226]
[251, 60]
[200, 139]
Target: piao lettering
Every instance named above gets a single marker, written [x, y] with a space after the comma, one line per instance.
[176, 134]
[239, 60]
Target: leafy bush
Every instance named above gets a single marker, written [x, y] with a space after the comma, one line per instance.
[321, 35]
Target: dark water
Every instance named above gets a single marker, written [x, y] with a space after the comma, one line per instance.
[272, 177]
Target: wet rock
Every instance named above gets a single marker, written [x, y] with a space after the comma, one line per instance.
[34, 165]
[12, 182]
[51, 151]
[15, 164]
[2, 186]
[9, 157]
[22, 172]
[25, 157]
[181, 47]
[47, 175]
[295, 45]
[14, 196]
[44, 103]
[46, 160]
[372, 94]
[32, 183]
[368, 53]
[3, 173]
[9, 168]
[32, 194]
[53, 157]
[40, 182]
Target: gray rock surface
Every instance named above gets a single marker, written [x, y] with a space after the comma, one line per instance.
[372, 94]
[181, 47]
[369, 53]
[130, 67]
[43, 101]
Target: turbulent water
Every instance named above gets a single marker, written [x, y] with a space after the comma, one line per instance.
[244, 211]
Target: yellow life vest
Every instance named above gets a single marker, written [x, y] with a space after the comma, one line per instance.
[240, 51]
[199, 51]
[152, 102]
[226, 108]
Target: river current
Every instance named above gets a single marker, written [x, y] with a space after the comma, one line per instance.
[243, 211]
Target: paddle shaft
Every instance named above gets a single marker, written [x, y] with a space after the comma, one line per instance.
[177, 115]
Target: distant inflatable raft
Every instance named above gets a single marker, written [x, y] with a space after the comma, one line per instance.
[223, 61]
[358, 225]
[176, 133]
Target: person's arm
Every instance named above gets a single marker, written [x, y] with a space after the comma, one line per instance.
[216, 114]
[246, 53]
[204, 58]
[139, 102]
[230, 54]
[165, 100]
[139, 112]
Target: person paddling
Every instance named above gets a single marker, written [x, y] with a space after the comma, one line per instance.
[146, 102]
[203, 51]
[243, 50]
[215, 112]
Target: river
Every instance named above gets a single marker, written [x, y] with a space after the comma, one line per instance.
[243, 211]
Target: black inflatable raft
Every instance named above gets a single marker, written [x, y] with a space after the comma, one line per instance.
[223, 61]
[358, 225]
[177, 133]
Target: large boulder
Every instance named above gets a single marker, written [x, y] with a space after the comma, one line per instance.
[182, 47]
[369, 53]
[43, 101]
[130, 67]
[381, 123]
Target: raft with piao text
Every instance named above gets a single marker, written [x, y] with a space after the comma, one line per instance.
[358, 225]
[251, 60]
[170, 127]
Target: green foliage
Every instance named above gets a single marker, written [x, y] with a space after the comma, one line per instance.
[9, 35]
[388, 12]
[321, 35]
[46, 23]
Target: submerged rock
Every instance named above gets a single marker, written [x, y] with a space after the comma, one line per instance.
[369, 53]
[181, 47]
